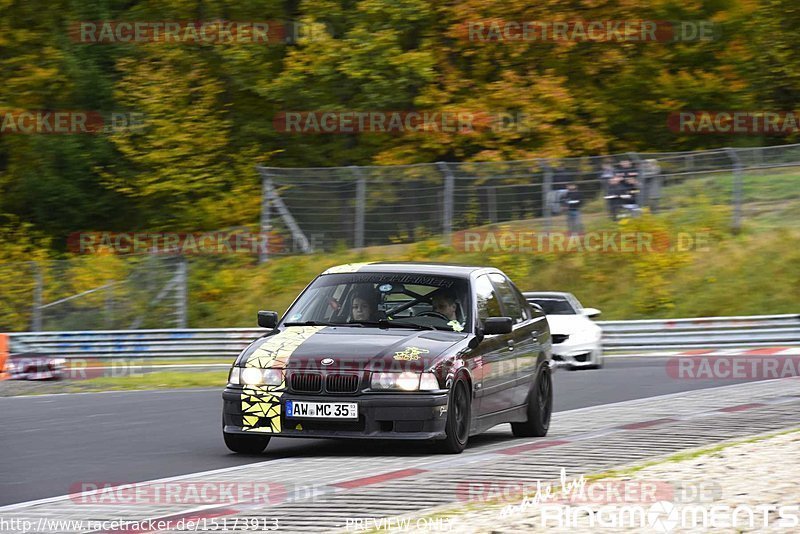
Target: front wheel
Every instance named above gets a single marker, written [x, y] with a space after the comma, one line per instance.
[458, 420]
[246, 444]
[540, 406]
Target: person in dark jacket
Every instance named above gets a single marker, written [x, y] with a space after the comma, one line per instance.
[630, 179]
[572, 203]
[606, 174]
[616, 189]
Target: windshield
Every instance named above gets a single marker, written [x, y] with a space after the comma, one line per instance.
[554, 305]
[386, 300]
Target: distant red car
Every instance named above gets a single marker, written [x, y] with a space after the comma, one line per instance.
[24, 363]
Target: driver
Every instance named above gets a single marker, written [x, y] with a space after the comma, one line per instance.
[444, 303]
[364, 306]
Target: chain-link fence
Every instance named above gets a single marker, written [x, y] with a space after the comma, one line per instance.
[323, 209]
[94, 293]
[317, 209]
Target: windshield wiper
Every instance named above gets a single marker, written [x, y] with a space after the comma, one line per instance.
[383, 323]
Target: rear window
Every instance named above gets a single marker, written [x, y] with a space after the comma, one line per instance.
[554, 305]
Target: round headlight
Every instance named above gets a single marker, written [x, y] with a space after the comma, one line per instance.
[251, 376]
[272, 377]
[408, 381]
[385, 380]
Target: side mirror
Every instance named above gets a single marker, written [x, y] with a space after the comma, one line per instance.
[591, 312]
[267, 319]
[497, 325]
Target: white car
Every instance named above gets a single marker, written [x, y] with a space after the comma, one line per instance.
[577, 340]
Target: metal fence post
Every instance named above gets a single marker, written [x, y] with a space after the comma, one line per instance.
[38, 290]
[447, 208]
[182, 294]
[547, 187]
[361, 204]
[491, 198]
[265, 227]
[737, 189]
[110, 305]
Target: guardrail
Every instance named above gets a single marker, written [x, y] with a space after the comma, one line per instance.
[701, 333]
[190, 343]
[618, 336]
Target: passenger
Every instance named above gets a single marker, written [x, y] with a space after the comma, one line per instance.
[364, 306]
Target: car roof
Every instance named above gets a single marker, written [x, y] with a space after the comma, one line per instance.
[534, 294]
[440, 269]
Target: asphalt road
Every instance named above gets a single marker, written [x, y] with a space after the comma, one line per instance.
[51, 443]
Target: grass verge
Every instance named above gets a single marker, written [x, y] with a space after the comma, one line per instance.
[147, 381]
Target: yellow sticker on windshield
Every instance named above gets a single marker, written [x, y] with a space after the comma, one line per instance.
[456, 326]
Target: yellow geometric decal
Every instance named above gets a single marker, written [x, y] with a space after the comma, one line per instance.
[261, 405]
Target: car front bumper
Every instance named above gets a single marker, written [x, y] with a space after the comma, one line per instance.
[576, 354]
[403, 416]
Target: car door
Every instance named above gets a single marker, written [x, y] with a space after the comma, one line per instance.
[525, 344]
[497, 366]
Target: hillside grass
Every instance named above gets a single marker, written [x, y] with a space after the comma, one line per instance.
[756, 271]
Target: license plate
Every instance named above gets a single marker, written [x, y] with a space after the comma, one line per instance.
[325, 410]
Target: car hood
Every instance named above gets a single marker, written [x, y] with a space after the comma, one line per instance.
[351, 348]
[570, 324]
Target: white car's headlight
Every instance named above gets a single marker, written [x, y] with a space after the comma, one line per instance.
[253, 376]
[406, 381]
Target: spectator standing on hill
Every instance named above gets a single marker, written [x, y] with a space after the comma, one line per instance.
[572, 203]
[616, 189]
[630, 179]
[606, 174]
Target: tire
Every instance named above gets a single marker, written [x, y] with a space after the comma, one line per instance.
[459, 418]
[246, 444]
[540, 406]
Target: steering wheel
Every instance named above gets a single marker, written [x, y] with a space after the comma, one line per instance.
[432, 313]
